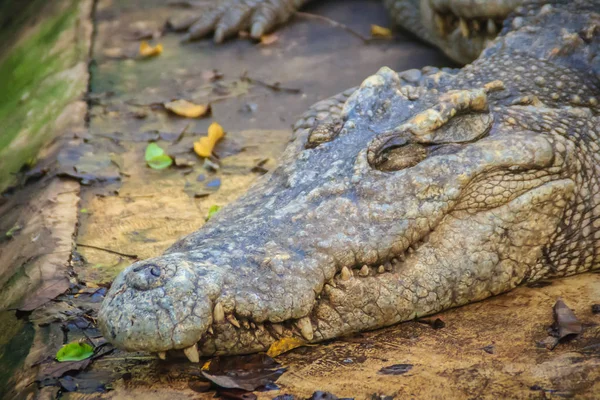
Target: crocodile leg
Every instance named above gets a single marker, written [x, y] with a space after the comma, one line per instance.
[462, 29]
[232, 16]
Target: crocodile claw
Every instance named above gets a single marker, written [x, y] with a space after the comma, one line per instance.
[234, 16]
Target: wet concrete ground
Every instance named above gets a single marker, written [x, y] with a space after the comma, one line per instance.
[485, 350]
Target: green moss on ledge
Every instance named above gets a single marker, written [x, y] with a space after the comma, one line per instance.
[42, 71]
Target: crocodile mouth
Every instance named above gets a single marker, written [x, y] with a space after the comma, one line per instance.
[464, 29]
[259, 335]
[451, 25]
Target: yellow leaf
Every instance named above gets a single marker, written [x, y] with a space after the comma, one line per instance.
[284, 345]
[269, 39]
[187, 109]
[146, 50]
[380, 31]
[204, 147]
[206, 365]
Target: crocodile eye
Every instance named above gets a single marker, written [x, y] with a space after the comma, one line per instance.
[397, 158]
[395, 153]
[323, 132]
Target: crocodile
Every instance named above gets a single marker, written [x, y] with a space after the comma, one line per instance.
[460, 28]
[416, 192]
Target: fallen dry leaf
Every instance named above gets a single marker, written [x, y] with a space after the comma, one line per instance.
[114, 52]
[235, 394]
[187, 109]
[284, 345]
[269, 39]
[205, 145]
[243, 372]
[212, 75]
[566, 322]
[380, 31]
[53, 370]
[146, 50]
[396, 369]
[566, 325]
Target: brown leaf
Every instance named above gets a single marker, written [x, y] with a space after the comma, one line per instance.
[236, 394]
[565, 321]
[199, 386]
[212, 75]
[565, 325]
[396, 369]
[114, 52]
[50, 371]
[243, 372]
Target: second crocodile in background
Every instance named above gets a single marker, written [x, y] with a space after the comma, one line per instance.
[415, 193]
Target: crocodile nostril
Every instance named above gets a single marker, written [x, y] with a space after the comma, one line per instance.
[145, 276]
[153, 269]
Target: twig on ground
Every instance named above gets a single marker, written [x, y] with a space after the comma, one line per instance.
[89, 246]
[275, 86]
[180, 136]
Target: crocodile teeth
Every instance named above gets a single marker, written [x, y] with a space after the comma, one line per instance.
[278, 328]
[439, 23]
[218, 313]
[346, 274]
[491, 27]
[305, 328]
[381, 269]
[332, 283]
[464, 28]
[246, 324]
[210, 330]
[162, 355]
[364, 271]
[192, 353]
[388, 266]
[233, 321]
[252, 325]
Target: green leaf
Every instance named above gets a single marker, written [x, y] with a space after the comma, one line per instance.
[11, 232]
[153, 150]
[160, 162]
[156, 157]
[212, 211]
[74, 351]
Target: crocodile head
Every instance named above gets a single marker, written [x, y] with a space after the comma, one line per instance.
[463, 28]
[413, 202]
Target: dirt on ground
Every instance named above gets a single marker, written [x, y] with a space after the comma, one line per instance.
[94, 206]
